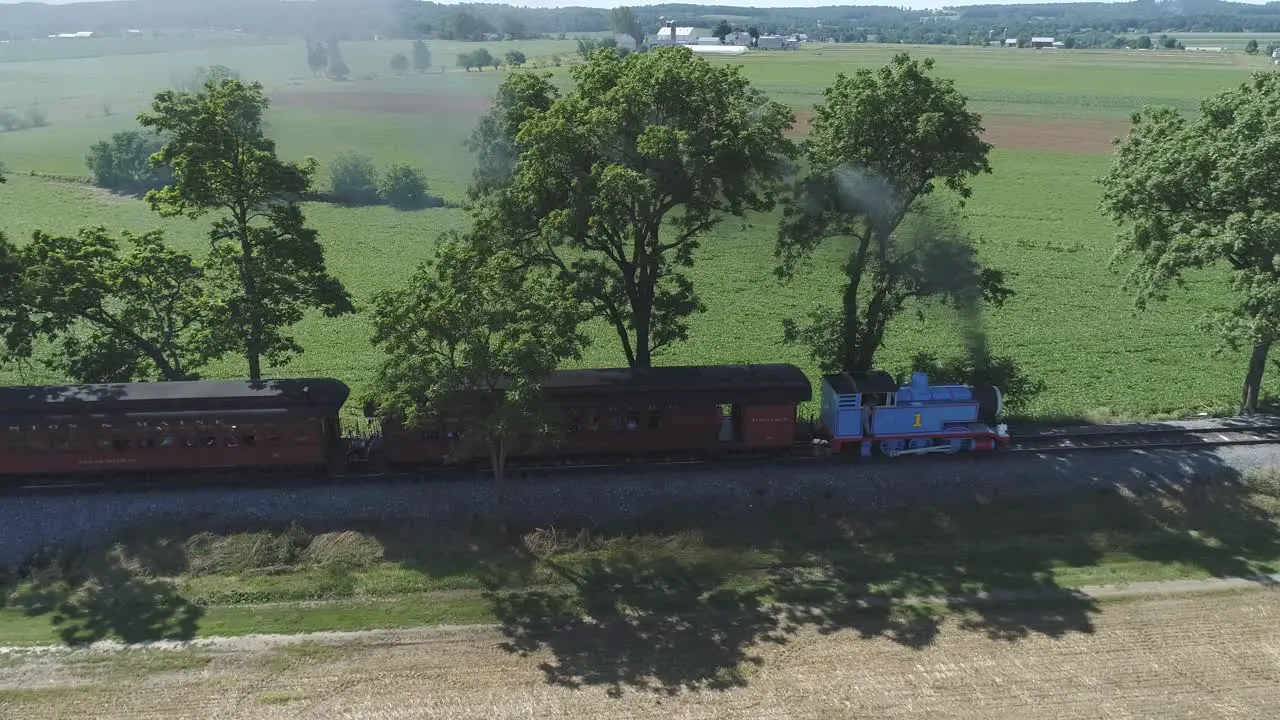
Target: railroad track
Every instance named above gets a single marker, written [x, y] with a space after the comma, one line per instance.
[1067, 441]
[1149, 439]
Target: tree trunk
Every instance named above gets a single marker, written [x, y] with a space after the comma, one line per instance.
[849, 326]
[1253, 379]
[851, 321]
[249, 281]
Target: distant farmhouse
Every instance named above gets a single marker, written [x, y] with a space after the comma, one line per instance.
[1275, 56]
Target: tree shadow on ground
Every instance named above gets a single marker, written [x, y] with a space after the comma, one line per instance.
[651, 623]
[133, 586]
[692, 617]
[108, 594]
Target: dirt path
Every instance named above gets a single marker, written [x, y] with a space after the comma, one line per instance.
[1209, 655]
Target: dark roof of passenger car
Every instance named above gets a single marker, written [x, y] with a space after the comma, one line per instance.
[184, 395]
[871, 381]
[788, 382]
[771, 384]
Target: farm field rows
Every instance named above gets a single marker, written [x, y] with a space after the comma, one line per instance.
[1050, 115]
[1178, 657]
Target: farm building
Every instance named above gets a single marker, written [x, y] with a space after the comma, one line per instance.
[1042, 42]
[1275, 56]
[624, 41]
[776, 42]
[670, 34]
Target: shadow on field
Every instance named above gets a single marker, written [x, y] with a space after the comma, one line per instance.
[690, 597]
[654, 623]
[109, 594]
[694, 613]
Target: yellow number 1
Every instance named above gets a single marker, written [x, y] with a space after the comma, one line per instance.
[917, 422]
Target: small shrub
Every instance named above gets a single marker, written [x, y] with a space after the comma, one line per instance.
[354, 179]
[399, 62]
[241, 553]
[37, 118]
[10, 121]
[1264, 483]
[124, 163]
[404, 187]
[338, 70]
[195, 80]
[346, 549]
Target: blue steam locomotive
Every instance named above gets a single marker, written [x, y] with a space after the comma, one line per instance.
[870, 410]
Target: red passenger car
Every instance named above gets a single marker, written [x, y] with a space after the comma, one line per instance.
[706, 410]
[166, 426]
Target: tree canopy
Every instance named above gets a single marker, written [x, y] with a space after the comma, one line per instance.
[880, 143]
[614, 182]
[112, 317]
[472, 336]
[268, 267]
[1194, 193]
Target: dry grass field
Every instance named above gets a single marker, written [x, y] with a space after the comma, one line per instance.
[1202, 657]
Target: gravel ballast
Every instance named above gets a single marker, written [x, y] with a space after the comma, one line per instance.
[28, 523]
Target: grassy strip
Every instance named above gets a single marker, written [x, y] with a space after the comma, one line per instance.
[18, 629]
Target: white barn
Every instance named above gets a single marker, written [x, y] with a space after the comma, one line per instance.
[670, 34]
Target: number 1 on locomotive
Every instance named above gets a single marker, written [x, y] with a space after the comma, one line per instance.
[917, 422]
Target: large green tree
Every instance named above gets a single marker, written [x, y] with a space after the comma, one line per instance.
[624, 22]
[268, 266]
[1204, 191]
[880, 143]
[472, 336]
[614, 183]
[113, 316]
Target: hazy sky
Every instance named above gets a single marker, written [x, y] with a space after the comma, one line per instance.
[916, 4]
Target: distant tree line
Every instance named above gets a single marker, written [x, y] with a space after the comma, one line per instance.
[1090, 24]
[478, 22]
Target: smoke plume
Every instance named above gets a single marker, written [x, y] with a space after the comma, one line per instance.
[948, 268]
[929, 245]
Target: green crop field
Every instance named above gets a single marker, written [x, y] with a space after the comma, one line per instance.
[1050, 114]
